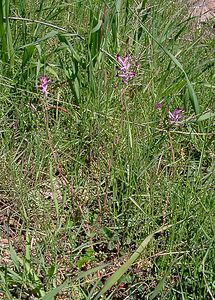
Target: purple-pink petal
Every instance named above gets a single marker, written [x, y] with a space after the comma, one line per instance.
[126, 59]
[43, 85]
[119, 60]
[158, 105]
[175, 116]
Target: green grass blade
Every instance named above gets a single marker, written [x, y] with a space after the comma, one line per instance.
[137, 205]
[118, 274]
[118, 5]
[206, 116]
[16, 260]
[49, 35]
[160, 286]
[54, 192]
[51, 294]
[97, 27]
[4, 286]
[193, 98]
[3, 38]
[27, 55]
[91, 271]
[10, 49]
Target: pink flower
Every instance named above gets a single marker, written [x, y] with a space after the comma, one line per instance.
[43, 85]
[175, 116]
[158, 105]
[123, 69]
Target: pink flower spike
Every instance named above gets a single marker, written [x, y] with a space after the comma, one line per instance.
[43, 85]
[123, 67]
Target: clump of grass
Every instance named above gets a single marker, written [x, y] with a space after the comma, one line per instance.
[96, 157]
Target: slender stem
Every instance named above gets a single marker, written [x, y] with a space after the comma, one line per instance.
[43, 23]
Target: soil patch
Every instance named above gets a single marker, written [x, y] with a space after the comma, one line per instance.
[203, 9]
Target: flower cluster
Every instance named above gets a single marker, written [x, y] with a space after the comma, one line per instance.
[175, 116]
[43, 85]
[123, 69]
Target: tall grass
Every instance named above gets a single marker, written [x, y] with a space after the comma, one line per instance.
[101, 197]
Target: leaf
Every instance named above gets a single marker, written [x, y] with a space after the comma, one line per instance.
[28, 52]
[91, 271]
[97, 27]
[136, 204]
[206, 65]
[193, 98]
[206, 116]
[51, 294]
[27, 252]
[161, 283]
[14, 276]
[118, 5]
[76, 88]
[4, 286]
[16, 260]
[3, 38]
[50, 70]
[49, 35]
[118, 274]
[63, 39]
[158, 288]
[51, 271]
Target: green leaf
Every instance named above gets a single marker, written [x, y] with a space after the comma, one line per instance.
[206, 116]
[137, 205]
[4, 286]
[16, 260]
[28, 52]
[10, 49]
[3, 39]
[50, 70]
[118, 5]
[49, 35]
[118, 274]
[15, 277]
[51, 271]
[160, 286]
[97, 27]
[63, 39]
[27, 252]
[51, 294]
